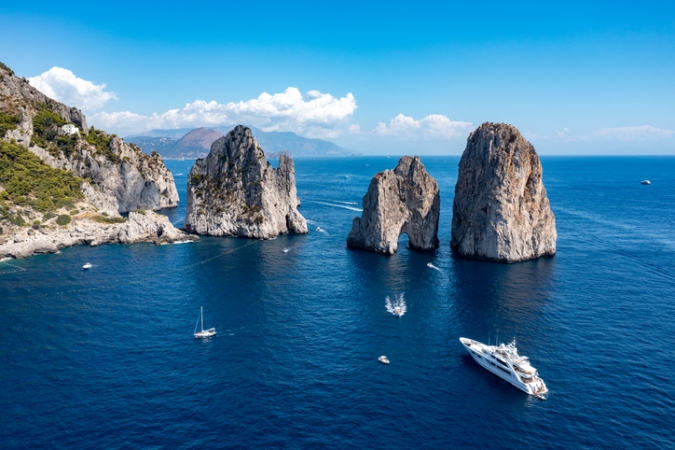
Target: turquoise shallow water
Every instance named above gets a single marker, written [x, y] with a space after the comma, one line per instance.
[106, 358]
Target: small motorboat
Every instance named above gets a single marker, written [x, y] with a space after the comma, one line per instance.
[383, 359]
[87, 266]
[398, 312]
[646, 182]
[286, 250]
[318, 229]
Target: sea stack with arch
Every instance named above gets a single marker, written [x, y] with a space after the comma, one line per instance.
[235, 191]
[501, 211]
[403, 200]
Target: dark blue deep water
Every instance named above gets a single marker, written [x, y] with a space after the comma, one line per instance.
[106, 358]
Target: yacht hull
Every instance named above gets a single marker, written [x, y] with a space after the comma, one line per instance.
[482, 354]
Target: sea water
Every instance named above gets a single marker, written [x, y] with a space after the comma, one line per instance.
[106, 358]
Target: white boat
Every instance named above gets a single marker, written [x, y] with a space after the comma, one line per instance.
[383, 359]
[646, 182]
[504, 361]
[318, 229]
[87, 266]
[286, 250]
[398, 311]
[204, 333]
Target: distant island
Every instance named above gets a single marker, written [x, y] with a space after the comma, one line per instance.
[195, 143]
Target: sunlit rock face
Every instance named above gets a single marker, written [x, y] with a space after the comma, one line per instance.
[235, 191]
[501, 211]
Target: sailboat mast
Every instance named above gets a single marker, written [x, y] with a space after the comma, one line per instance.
[201, 308]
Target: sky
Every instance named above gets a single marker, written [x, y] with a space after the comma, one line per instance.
[391, 77]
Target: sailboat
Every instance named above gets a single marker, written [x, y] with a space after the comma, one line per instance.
[204, 333]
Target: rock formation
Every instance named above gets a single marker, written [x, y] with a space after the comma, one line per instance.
[501, 211]
[63, 184]
[234, 191]
[124, 177]
[405, 200]
[143, 226]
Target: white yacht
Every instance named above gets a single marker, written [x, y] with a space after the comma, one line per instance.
[504, 361]
[204, 333]
[383, 359]
[87, 266]
[646, 182]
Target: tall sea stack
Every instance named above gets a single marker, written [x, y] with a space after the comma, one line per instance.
[501, 211]
[404, 200]
[234, 191]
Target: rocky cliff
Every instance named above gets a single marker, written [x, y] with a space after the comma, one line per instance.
[501, 211]
[405, 200]
[234, 191]
[123, 177]
[63, 184]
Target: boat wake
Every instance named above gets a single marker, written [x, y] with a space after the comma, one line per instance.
[433, 267]
[346, 203]
[397, 305]
[334, 205]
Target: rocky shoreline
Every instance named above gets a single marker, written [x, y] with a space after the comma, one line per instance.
[146, 226]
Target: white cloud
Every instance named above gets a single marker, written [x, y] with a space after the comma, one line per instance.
[434, 126]
[62, 85]
[320, 115]
[634, 133]
[355, 128]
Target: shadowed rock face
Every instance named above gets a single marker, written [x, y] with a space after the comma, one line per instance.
[234, 191]
[405, 200]
[501, 211]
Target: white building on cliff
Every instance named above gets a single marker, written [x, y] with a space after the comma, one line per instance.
[70, 129]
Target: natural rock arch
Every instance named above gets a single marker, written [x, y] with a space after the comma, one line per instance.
[405, 200]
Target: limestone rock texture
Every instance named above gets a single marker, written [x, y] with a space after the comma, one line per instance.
[403, 200]
[235, 191]
[123, 177]
[501, 211]
[143, 226]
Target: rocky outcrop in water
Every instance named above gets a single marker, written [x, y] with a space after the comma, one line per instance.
[501, 211]
[405, 200]
[235, 191]
[124, 178]
[145, 226]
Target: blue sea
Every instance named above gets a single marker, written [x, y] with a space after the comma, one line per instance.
[106, 358]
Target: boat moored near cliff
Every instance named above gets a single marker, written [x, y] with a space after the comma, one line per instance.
[504, 361]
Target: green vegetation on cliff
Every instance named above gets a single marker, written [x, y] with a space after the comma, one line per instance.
[101, 140]
[28, 181]
[4, 66]
[46, 124]
[8, 122]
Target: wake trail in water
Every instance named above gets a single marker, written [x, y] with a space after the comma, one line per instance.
[19, 269]
[334, 205]
[396, 306]
[345, 203]
[433, 267]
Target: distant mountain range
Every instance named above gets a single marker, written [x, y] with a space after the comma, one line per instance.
[186, 143]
